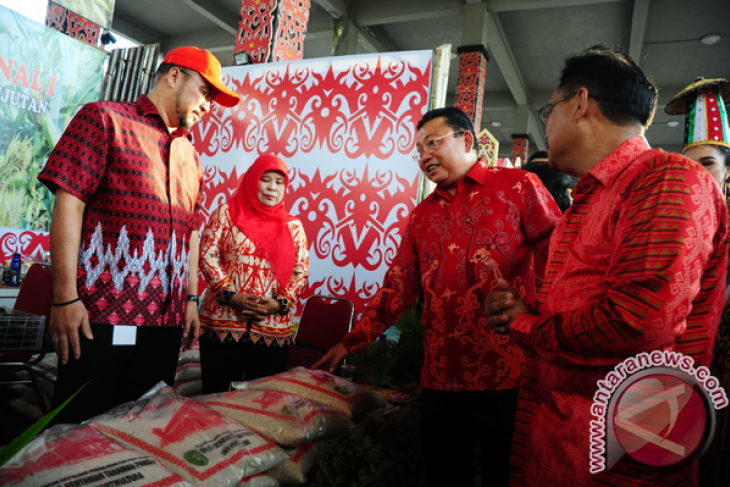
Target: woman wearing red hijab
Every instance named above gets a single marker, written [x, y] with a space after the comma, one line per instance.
[255, 259]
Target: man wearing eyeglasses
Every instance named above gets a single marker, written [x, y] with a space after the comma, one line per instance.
[124, 239]
[479, 224]
[637, 264]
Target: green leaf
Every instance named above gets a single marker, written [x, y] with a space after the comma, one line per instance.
[26, 436]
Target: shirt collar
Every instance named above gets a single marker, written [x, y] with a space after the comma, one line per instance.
[613, 164]
[145, 107]
[478, 174]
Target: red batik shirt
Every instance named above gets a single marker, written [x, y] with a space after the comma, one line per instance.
[637, 264]
[141, 206]
[453, 250]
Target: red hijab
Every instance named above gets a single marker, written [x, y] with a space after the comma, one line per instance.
[265, 226]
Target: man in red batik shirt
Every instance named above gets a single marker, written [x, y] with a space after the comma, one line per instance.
[124, 233]
[481, 223]
[637, 264]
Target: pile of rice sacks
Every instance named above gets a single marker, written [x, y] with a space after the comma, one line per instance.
[284, 418]
[203, 446]
[70, 455]
[320, 386]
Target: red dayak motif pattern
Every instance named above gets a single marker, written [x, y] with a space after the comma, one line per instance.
[23, 242]
[637, 264]
[255, 30]
[291, 25]
[520, 147]
[453, 251]
[318, 120]
[470, 90]
[366, 110]
[82, 29]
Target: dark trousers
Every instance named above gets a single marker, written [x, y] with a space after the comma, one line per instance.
[224, 362]
[118, 373]
[450, 424]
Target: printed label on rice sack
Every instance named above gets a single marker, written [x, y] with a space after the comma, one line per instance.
[285, 418]
[301, 461]
[321, 386]
[202, 445]
[68, 456]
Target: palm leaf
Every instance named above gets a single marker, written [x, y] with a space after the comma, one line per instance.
[26, 436]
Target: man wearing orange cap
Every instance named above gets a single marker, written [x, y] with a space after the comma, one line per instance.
[124, 240]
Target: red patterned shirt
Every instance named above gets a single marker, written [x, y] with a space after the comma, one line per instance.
[453, 250]
[637, 264]
[141, 188]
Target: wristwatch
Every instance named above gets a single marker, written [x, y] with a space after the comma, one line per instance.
[284, 305]
[193, 297]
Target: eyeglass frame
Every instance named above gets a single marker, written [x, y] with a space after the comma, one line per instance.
[213, 105]
[419, 154]
[544, 111]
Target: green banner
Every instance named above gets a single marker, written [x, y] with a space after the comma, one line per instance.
[45, 77]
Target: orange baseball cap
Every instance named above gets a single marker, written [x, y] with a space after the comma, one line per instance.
[208, 67]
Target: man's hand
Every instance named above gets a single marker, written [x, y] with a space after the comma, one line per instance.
[249, 305]
[191, 331]
[502, 306]
[64, 329]
[333, 358]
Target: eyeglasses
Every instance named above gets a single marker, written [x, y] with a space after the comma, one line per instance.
[432, 146]
[207, 94]
[544, 112]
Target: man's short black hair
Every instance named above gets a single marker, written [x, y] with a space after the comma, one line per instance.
[623, 92]
[454, 118]
[538, 155]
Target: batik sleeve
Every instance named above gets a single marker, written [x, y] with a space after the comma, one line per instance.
[540, 214]
[401, 287]
[78, 162]
[665, 282]
[211, 242]
[300, 274]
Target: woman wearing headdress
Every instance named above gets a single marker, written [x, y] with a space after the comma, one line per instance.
[707, 142]
[255, 260]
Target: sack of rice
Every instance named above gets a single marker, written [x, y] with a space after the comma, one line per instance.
[320, 386]
[27, 407]
[190, 356]
[285, 418]
[189, 388]
[259, 480]
[294, 471]
[46, 385]
[73, 456]
[205, 447]
[188, 371]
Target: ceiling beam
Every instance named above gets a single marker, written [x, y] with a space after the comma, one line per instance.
[216, 13]
[373, 40]
[638, 28]
[499, 47]
[135, 30]
[380, 12]
[515, 5]
[336, 8]
[211, 39]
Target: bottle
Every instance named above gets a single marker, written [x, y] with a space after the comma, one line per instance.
[15, 265]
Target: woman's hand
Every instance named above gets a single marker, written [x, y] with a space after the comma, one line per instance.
[249, 305]
[271, 305]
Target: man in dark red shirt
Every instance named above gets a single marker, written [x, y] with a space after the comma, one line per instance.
[124, 240]
[481, 223]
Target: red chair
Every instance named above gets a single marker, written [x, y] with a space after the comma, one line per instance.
[34, 297]
[324, 323]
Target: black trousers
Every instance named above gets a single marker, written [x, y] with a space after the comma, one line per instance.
[450, 424]
[118, 374]
[224, 362]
